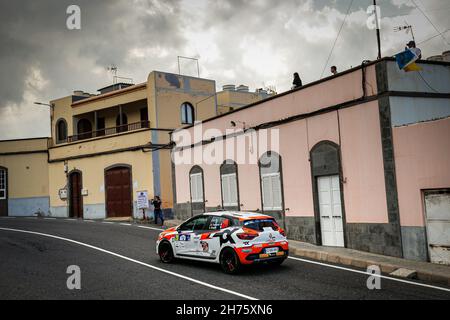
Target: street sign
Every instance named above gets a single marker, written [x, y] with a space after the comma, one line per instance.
[142, 200]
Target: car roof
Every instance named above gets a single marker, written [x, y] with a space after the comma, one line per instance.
[239, 215]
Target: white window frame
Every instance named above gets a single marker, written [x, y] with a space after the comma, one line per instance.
[229, 186]
[273, 207]
[196, 198]
[4, 189]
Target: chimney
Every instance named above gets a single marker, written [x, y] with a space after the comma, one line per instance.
[242, 88]
[229, 87]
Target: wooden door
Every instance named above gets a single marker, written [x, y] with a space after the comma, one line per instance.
[76, 200]
[118, 192]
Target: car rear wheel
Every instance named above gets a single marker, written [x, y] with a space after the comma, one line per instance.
[166, 253]
[229, 261]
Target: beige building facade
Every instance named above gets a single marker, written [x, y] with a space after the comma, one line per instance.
[104, 149]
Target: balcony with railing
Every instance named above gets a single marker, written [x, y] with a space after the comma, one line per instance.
[110, 131]
[130, 127]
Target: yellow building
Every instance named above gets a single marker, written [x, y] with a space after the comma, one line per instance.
[106, 148]
[24, 177]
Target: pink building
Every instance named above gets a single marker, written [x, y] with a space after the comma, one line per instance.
[363, 161]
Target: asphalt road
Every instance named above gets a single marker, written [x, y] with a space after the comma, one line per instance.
[118, 261]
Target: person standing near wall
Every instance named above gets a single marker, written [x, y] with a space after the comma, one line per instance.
[158, 212]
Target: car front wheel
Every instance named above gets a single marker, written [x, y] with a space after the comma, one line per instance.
[166, 253]
[229, 261]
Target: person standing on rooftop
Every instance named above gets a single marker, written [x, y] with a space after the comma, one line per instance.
[334, 70]
[297, 81]
[412, 46]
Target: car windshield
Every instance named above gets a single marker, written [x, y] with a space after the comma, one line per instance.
[260, 224]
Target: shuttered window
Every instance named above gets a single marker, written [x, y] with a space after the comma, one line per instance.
[229, 190]
[271, 191]
[2, 184]
[197, 187]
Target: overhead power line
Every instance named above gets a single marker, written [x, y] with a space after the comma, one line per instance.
[431, 22]
[435, 36]
[337, 37]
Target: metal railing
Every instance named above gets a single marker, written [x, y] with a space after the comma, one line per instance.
[107, 131]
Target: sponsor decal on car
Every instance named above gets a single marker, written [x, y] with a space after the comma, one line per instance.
[205, 246]
[183, 237]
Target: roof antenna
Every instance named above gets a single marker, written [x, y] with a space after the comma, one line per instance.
[113, 69]
[406, 27]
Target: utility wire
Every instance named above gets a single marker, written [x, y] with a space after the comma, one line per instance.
[431, 22]
[437, 35]
[337, 37]
[426, 82]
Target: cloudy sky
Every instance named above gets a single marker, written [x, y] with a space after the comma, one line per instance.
[254, 42]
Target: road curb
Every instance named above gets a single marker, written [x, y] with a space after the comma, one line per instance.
[352, 261]
[387, 268]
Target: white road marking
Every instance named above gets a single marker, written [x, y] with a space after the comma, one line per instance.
[368, 274]
[150, 228]
[343, 268]
[107, 222]
[125, 224]
[88, 220]
[135, 261]
[328, 265]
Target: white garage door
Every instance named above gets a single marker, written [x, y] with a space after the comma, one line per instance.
[437, 205]
[331, 222]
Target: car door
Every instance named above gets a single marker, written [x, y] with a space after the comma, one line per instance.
[212, 239]
[187, 241]
[182, 241]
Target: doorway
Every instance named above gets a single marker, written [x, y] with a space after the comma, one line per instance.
[75, 197]
[330, 208]
[437, 211]
[328, 195]
[118, 189]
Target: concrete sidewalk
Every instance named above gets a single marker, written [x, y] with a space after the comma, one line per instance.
[425, 271]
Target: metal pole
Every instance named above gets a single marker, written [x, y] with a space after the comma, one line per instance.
[412, 33]
[378, 29]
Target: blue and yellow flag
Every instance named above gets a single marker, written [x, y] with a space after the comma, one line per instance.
[406, 61]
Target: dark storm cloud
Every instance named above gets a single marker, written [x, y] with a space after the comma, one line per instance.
[254, 42]
[34, 34]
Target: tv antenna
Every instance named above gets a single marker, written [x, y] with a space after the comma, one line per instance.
[113, 69]
[408, 29]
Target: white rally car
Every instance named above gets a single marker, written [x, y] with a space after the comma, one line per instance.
[229, 238]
